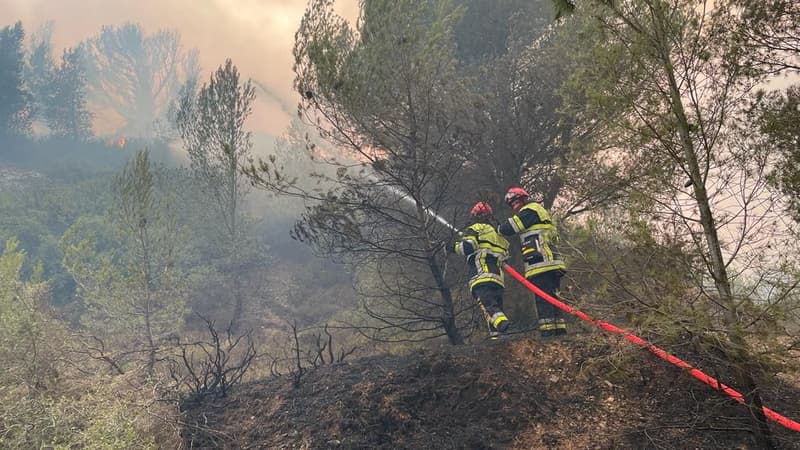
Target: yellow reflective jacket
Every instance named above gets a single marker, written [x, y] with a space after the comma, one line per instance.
[485, 250]
[539, 237]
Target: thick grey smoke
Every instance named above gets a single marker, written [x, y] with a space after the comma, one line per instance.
[256, 34]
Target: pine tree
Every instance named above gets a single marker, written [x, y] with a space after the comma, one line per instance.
[665, 81]
[136, 75]
[211, 125]
[134, 291]
[67, 114]
[39, 72]
[15, 104]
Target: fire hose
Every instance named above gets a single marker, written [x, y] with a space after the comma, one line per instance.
[697, 373]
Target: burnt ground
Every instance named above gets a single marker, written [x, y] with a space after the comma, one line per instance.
[517, 394]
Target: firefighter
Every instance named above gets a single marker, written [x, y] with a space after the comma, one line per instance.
[543, 265]
[485, 251]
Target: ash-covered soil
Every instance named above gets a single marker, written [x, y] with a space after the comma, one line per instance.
[586, 392]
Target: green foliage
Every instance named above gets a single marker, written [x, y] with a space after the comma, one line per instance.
[28, 359]
[388, 94]
[563, 8]
[212, 127]
[58, 91]
[133, 289]
[102, 417]
[778, 117]
[211, 123]
[37, 211]
[39, 68]
[772, 34]
[527, 140]
[397, 61]
[665, 83]
[629, 268]
[67, 114]
[33, 411]
[489, 29]
[113, 423]
[15, 101]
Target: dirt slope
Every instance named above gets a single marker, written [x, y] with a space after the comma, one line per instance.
[519, 394]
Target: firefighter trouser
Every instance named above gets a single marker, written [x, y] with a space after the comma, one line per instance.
[490, 295]
[550, 317]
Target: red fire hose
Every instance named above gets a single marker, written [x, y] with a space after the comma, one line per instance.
[697, 373]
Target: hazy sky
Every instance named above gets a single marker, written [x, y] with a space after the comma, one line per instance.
[256, 34]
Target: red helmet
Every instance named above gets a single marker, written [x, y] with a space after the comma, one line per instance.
[514, 194]
[481, 209]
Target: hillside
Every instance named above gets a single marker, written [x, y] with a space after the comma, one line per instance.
[516, 394]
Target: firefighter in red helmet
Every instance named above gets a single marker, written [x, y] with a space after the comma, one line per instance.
[485, 251]
[543, 265]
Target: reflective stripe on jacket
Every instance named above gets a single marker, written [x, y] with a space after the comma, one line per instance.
[485, 250]
[539, 237]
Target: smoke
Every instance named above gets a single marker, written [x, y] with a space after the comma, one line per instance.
[267, 95]
[256, 34]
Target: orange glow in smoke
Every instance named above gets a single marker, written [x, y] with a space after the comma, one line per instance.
[121, 142]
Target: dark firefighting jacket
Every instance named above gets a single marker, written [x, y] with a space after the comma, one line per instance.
[539, 237]
[485, 250]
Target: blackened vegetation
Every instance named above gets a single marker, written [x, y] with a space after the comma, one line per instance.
[318, 351]
[584, 393]
[211, 368]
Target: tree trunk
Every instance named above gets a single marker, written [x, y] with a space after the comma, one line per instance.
[233, 237]
[238, 308]
[556, 182]
[151, 350]
[738, 352]
[148, 291]
[448, 313]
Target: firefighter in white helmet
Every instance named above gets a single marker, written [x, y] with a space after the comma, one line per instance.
[485, 251]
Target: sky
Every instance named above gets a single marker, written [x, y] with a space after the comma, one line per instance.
[256, 34]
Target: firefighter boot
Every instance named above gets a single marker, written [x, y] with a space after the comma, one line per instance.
[561, 327]
[499, 322]
[547, 328]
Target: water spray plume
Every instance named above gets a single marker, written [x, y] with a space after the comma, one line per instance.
[407, 198]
